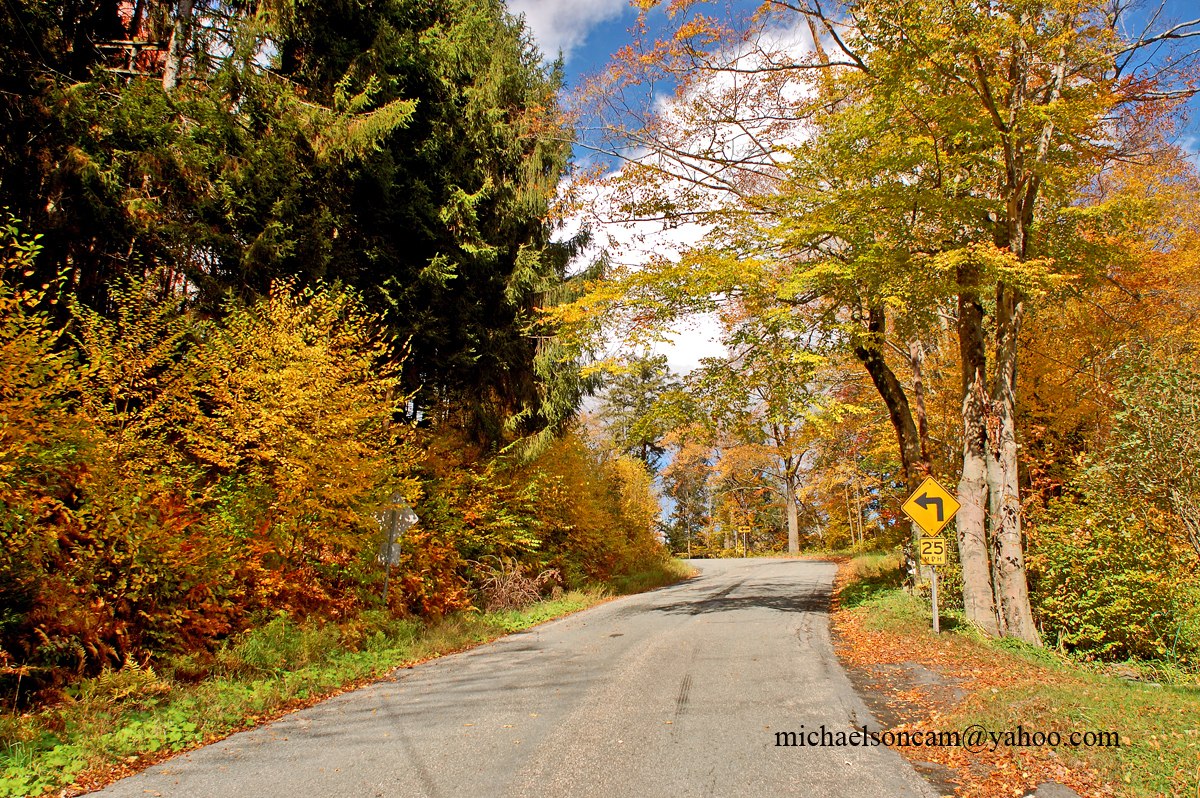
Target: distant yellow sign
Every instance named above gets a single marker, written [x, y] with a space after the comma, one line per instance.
[931, 507]
[933, 551]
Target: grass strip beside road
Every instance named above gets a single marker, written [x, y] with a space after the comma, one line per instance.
[121, 722]
[924, 682]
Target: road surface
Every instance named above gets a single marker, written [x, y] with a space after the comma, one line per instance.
[677, 692]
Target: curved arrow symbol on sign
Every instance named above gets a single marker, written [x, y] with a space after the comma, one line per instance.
[924, 500]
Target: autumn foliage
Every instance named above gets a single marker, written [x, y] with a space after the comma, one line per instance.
[169, 479]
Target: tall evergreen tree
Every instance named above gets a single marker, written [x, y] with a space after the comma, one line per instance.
[628, 408]
[447, 218]
[409, 149]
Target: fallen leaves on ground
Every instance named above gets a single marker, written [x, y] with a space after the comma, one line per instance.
[967, 676]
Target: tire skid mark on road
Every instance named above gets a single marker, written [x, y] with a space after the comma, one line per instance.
[804, 631]
[550, 770]
[681, 700]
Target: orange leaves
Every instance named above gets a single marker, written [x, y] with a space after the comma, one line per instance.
[431, 574]
[209, 471]
[567, 509]
[194, 475]
[699, 30]
[917, 682]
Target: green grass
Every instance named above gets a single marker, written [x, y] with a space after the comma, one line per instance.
[667, 572]
[1159, 726]
[1158, 723]
[136, 715]
[871, 576]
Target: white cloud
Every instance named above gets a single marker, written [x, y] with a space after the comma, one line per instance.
[629, 245]
[564, 24]
[695, 338]
[699, 164]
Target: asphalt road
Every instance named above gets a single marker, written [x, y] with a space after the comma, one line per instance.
[677, 692]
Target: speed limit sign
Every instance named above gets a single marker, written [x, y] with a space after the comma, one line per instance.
[933, 551]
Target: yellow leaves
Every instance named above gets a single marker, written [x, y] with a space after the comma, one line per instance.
[41, 441]
[980, 266]
[293, 394]
[639, 507]
[699, 30]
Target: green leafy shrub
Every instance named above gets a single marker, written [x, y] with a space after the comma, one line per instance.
[1111, 580]
[379, 630]
[1153, 450]
[131, 684]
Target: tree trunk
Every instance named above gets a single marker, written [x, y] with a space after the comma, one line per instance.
[1012, 588]
[793, 517]
[849, 517]
[971, 521]
[916, 466]
[858, 511]
[916, 357]
[177, 45]
[134, 34]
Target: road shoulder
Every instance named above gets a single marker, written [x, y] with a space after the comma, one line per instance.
[920, 683]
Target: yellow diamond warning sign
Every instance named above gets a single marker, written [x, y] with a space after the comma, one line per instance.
[931, 506]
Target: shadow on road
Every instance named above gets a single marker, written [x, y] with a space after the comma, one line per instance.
[778, 596]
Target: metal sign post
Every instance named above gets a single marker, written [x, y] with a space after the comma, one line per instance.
[931, 507]
[394, 520]
[937, 622]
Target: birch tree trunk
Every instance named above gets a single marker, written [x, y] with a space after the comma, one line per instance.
[916, 358]
[1012, 586]
[849, 517]
[177, 45]
[1022, 185]
[858, 506]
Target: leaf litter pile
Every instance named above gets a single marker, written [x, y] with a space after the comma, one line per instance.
[915, 681]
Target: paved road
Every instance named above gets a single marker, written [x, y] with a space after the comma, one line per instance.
[678, 692]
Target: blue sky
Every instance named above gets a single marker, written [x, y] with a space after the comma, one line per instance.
[588, 32]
